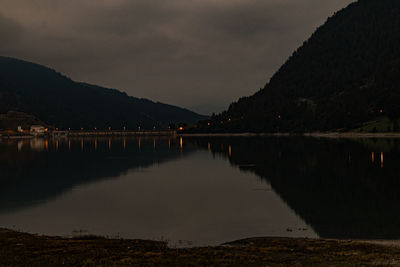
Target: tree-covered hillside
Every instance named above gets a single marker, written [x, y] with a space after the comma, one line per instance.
[346, 74]
[63, 103]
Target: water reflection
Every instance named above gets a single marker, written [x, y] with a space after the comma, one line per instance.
[336, 186]
[36, 170]
[137, 188]
[250, 186]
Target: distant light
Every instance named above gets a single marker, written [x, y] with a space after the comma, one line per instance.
[81, 129]
[229, 119]
[56, 129]
[279, 116]
[381, 111]
[181, 128]
[209, 124]
[95, 128]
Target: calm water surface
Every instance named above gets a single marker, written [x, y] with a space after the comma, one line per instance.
[202, 191]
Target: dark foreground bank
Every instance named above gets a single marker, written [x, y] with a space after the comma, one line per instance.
[20, 249]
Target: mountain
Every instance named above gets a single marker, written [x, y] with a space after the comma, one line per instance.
[11, 120]
[347, 74]
[63, 103]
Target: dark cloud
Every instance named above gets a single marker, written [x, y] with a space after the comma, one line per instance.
[10, 33]
[192, 53]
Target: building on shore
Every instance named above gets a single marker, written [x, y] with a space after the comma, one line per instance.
[37, 130]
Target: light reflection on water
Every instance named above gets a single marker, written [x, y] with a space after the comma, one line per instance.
[204, 191]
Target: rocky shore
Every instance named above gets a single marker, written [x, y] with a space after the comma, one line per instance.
[21, 249]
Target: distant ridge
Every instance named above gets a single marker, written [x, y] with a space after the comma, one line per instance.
[346, 75]
[61, 102]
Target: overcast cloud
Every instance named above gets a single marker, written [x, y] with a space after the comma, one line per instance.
[200, 54]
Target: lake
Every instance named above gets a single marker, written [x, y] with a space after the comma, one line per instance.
[202, 191]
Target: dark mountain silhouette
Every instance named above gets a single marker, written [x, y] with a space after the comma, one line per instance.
[346, 74]
[63, 103]
[11, 120]
[336, 186]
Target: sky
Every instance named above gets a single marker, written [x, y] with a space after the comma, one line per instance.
[198, 54]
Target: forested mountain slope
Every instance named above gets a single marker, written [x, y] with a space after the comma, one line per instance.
[346, 74]
[63, 103]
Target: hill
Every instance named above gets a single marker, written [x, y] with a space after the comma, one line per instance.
[11, 120]
[344, 76]
[61, 102]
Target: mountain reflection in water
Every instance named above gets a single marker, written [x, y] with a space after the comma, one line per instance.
[37, 170]
[342, 188]
[306, 186]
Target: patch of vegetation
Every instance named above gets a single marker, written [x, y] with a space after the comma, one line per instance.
[382, 125]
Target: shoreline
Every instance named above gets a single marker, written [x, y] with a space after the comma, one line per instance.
[21, 249]
[349, 135]
[111, 133]
[331, 135]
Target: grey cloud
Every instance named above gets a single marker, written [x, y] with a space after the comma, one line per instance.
[184, 52]
[132, 17]
[10, 33]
